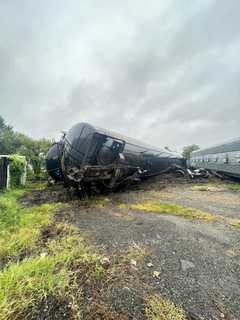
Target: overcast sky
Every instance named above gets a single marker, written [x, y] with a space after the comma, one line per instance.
[166, 72]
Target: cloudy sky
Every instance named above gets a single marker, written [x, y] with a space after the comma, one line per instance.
[166, 72]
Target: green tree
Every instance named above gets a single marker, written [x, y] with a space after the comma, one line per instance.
[189, 149]
[12, 142]
[8, 143]
[34, 151]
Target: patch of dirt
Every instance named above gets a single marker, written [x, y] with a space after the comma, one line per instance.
[50, 309]
[52, 194]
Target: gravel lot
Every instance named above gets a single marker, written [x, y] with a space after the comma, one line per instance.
[194, 263]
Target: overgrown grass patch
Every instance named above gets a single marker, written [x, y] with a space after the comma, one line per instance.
[234, 223]
[207, 187]
[36, 185]
[10, 209]
[24, 284]
[47, 270]
[136, 253]
[122, 206]
[158, 308]
[95, 202]
[176, 210]
[20, 228]
[234, 187]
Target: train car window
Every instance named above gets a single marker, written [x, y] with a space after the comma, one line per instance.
[226, 158]
[133, 148]
[237, 157]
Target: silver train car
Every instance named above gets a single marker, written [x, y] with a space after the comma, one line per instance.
[223, 159]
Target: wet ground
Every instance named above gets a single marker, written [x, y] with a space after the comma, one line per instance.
[194, 263]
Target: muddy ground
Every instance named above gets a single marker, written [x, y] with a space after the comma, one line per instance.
[197, 262]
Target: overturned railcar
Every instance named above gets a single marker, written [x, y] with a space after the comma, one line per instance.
[223, 159]
[53, 161]
[90, 155]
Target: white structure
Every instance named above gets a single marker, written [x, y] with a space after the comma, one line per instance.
[5, 170]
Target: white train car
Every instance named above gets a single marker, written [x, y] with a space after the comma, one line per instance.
[222, 158]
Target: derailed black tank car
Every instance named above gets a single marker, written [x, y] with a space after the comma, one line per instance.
[53, 162]
[223, 159]
[92, 155]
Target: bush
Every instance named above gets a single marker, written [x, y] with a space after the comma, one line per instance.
[17, 167]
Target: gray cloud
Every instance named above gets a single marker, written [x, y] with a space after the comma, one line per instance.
[167, 73]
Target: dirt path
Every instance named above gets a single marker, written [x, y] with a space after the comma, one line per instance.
[194, 263]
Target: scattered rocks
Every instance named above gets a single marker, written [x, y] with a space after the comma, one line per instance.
[133, 262]
[149, 265]
[185, 265]
[105, 262]
[156, 274]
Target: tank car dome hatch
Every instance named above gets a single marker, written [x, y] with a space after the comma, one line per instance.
[53, 162]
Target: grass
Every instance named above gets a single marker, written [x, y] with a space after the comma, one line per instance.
[234, 187]
[207, 187]
[37, 185]
[234, 223]
[24, 284]
[57, 267]
[20, 228]
[214, 187]
[158, 308]
[122, 206]
[176, 210]
[10, 209]
[48, 270]
[96, 202]
[136, 253]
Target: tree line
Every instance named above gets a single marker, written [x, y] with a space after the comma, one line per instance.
[13, 142]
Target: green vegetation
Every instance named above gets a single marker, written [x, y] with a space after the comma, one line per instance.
[189, 149]
[23, 285]
[17, 167]
[234, 222]
[122, 206]
[158, 308]
[173, 209]
[35, 270]
[12, 142]
[20, 228]
[214, 187]
[234, 187]
[97, 202]
[207, 187]
[136, 253]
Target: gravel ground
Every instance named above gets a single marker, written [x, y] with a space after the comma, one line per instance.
[198, 262]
